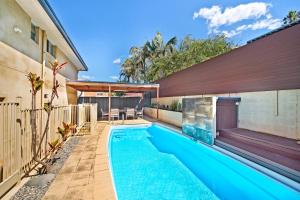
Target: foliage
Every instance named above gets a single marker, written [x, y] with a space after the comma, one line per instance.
[173, 106]
[153, 105]
[291, 17]
[118, 94]
[36, 85]
[66, 130]
[55, 144]
[135, 68]
[179, 107]
[157, 59]
[36, 82]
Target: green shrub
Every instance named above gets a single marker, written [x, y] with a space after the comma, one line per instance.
[173, 106]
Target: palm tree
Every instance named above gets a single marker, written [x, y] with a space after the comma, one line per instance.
[186, 43]
[157, 48]
[127, 72]
[139, 57]
[136, 67]
[292, 17]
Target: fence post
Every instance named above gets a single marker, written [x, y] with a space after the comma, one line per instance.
[18, 133]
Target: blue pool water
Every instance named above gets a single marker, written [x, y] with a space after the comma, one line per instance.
[153, 162]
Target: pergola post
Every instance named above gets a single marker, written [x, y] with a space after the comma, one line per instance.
[109, 103]
[93, 86]
[157, 101]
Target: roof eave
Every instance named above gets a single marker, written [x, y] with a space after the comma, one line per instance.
[46, 6]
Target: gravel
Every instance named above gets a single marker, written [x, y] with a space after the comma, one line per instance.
[38, 185]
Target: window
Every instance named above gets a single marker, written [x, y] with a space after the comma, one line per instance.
[51, 48]
[34, 33]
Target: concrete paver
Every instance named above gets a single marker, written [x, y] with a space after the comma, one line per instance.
[86, 174]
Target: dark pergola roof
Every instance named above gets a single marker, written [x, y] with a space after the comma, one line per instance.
[97, 86]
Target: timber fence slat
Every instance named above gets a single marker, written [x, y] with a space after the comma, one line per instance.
[16, 155]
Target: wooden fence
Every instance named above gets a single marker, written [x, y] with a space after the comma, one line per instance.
[16, 156]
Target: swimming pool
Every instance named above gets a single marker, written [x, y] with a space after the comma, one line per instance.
[153, 162]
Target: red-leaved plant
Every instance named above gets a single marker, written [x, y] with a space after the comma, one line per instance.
[36, 85]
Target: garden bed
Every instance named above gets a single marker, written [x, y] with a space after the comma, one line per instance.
[171, 117]
[37, 186]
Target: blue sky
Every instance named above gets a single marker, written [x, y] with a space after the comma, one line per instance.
[104, 31]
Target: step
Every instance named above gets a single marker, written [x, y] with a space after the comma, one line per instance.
[287, 147]
[264, 152]
[292, 172]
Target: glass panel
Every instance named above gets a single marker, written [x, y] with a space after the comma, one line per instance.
[34, 33]
[51, 48]
[199, 118]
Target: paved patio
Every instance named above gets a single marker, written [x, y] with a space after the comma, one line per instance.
[86, 175]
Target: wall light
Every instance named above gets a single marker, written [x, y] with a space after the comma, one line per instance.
[17, 29]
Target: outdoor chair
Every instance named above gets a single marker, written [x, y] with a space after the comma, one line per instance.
[130, 112]
[114, 113]
[104, 114]
[140, 113]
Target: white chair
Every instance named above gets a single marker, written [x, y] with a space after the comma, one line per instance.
[130, 113]
[104, 114]
[114, 113]
[140, 113]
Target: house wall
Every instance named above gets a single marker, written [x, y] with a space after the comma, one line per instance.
[20, 55]
[273, 112]
[14, 66]
[13, 16]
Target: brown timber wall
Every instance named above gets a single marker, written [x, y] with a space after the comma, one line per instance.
[269, 63]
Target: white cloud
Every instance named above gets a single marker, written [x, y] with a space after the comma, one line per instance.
[230, 33]
[268, 23]
[85, 77]
[230, 15]
[117, 61]
[114, 78]
[217, 17]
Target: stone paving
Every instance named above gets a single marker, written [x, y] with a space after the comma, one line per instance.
[86, 175]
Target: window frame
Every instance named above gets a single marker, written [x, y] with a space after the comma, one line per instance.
[51, 48]
[34, 33]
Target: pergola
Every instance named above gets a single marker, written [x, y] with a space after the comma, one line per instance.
[109, 87]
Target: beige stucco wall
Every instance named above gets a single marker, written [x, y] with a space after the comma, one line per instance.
[258, 111]
[13, 81]
[264, 112]
[12, 16]
[69, 71]
[20, 55]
